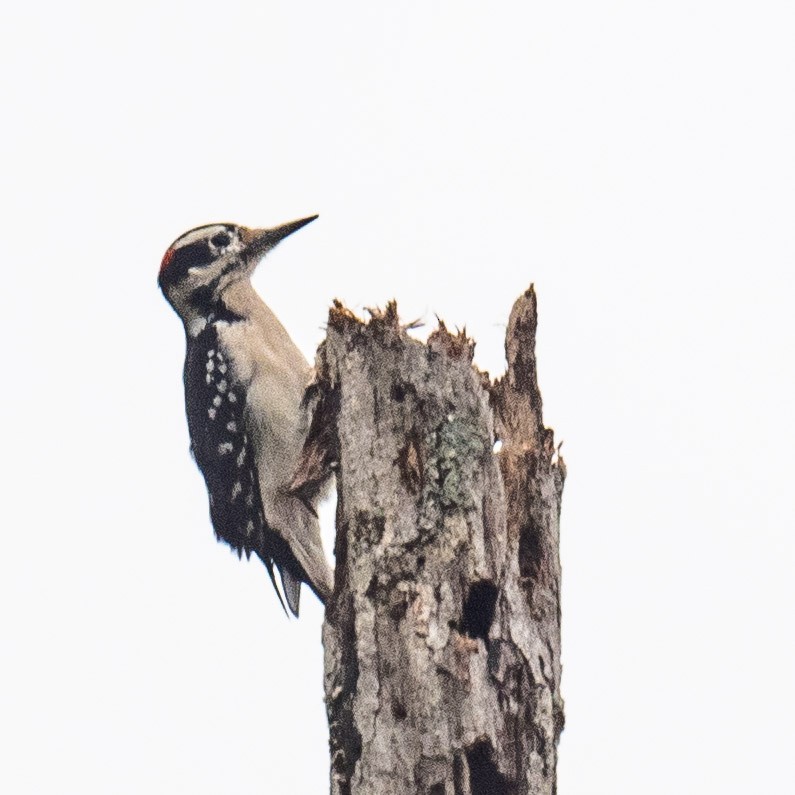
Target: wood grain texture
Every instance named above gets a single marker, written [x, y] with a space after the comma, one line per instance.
[442, 636]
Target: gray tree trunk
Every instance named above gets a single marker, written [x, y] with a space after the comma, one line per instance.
[442, 637]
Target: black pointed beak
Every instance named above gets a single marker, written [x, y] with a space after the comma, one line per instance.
[260, 241]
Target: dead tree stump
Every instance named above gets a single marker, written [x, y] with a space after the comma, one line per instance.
[442, 637]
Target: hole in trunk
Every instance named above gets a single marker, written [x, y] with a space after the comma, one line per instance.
[484, 778]
[479, 609]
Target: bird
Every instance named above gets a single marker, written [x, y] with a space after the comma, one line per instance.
[245, 381]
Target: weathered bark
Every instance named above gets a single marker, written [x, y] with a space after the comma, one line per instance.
[442, 637]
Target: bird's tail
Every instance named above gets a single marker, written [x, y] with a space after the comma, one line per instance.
[269, 566]
[291, 586]
[304, 562]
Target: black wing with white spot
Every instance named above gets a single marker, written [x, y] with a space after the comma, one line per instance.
[221, 447]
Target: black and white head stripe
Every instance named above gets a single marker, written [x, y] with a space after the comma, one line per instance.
[197, 249]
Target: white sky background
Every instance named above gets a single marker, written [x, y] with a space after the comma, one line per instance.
[634, 160]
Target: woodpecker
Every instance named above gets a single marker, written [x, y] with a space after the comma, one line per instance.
[244, 386]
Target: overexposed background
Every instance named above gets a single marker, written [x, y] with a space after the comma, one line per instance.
[635, 160]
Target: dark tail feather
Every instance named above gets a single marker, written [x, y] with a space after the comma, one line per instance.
[269, 566]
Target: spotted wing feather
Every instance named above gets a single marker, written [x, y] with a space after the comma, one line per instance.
[222, 449]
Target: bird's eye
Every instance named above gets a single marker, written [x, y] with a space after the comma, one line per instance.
[221, 240]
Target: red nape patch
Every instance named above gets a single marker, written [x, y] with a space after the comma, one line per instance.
[169, 255]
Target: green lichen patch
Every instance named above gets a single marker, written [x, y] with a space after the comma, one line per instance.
[456, 449]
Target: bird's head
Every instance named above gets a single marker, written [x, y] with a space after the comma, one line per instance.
[202, 263]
